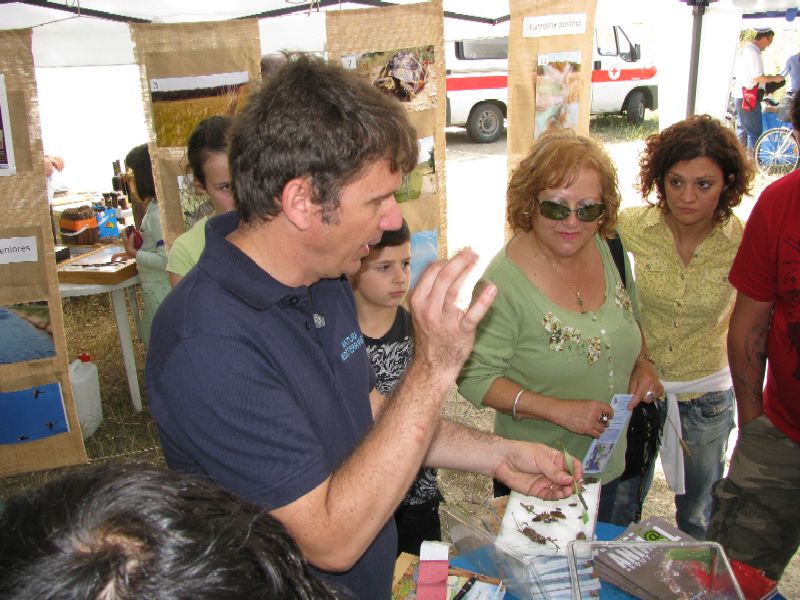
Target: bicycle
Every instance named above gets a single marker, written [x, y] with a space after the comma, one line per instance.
[776, 151]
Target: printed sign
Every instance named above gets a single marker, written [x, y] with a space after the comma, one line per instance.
[18, 249]
[549, 25]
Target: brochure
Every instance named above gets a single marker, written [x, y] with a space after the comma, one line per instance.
[602, 448]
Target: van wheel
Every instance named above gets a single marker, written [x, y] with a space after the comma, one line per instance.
[485, 123]
[634, 108]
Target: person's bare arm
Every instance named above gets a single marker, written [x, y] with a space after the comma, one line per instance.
[578, 416]
[174, 279]
[52, 163]
[644, 377]
[336, 522]
[529, 468]
[768, 79]
[747, 355]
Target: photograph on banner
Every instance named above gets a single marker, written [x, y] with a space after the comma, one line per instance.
[194, 205]
[424, 251]
[422, 180]
[180, 103]
[7, 164]
[26, 332]
[405, 73]
[32, 414]
[557, 91]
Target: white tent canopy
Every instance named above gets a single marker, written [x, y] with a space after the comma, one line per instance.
[93, 32]
[91, 113]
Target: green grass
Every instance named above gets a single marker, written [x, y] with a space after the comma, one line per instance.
[611, 129]
[411, 187]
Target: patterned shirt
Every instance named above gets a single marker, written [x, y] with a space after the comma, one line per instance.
[684, 309]
[390, 356]
[554, 351]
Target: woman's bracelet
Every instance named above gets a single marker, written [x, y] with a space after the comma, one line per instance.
[516, 401]
[647, 357]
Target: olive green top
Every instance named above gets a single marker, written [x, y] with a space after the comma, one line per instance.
[555, 351]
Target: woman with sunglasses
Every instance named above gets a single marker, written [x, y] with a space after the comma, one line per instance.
[562, 335]
[683, 245]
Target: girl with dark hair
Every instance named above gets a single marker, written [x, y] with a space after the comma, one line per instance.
[148, 246]
[207, 154]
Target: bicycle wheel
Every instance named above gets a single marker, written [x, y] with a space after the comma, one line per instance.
[776, 151]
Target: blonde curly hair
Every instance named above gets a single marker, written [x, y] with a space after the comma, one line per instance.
[555, 161]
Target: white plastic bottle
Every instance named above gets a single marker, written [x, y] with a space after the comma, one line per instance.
[86, 391]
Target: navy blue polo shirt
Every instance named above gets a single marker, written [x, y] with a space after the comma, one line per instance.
[262, 387]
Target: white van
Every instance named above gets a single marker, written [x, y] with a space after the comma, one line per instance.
[477, 78]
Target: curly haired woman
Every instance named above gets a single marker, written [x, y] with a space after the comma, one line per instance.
[683, 245]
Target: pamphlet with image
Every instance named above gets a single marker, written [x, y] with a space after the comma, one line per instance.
[667, 564]
[602, 448]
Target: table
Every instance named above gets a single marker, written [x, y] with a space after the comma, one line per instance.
[603, 532]
[118, 292]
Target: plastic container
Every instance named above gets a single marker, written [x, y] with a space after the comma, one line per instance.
[668, 570]
[86, 391]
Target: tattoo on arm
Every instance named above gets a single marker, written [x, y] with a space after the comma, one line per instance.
[755, 348]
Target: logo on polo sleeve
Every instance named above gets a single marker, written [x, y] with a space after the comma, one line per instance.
[350, 344]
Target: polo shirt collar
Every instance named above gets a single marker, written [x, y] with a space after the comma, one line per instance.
[235, 271]
[655, 218]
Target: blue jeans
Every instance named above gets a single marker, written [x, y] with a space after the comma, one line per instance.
[706, 423]
[751, 122]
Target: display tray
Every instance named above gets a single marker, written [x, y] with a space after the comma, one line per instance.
[95, 266]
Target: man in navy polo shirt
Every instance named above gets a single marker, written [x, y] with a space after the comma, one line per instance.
[257, 374]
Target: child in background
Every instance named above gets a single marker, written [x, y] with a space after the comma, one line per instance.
[379, 287]
[151, 258]
[207, 154]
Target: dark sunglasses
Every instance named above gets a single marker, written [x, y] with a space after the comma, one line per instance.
[558, 212]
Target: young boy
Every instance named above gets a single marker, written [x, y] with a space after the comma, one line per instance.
[379, 287]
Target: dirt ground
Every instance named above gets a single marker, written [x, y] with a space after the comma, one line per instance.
[472, 492]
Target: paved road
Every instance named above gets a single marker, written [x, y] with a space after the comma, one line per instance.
[476, 182]
[458, 142]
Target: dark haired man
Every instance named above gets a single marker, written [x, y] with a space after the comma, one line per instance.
[749, 74]
[260, 379]
[755, 511]
[135, 531]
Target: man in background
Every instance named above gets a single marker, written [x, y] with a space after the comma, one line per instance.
[792, 70]
[749, 77]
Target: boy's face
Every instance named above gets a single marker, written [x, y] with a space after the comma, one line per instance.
[384, 275]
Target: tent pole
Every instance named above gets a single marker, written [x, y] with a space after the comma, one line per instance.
[698, 9]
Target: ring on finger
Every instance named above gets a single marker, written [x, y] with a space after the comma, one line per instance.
[649, 394]
[603, 418]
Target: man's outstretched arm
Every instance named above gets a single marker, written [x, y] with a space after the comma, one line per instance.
[336, 522]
